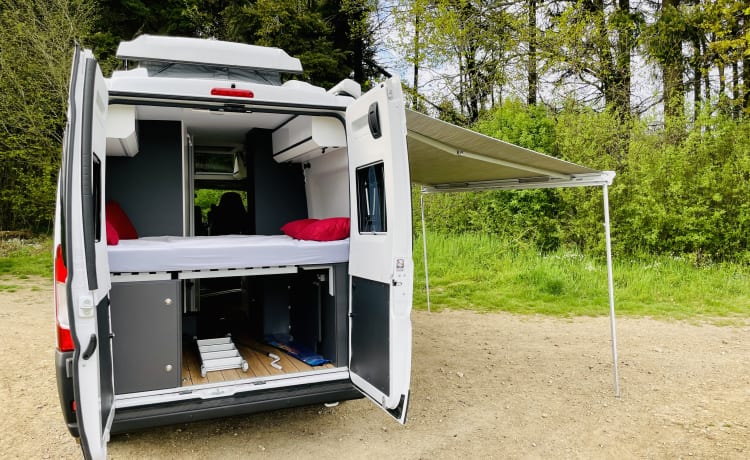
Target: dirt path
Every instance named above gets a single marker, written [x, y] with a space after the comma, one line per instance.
[483, 386]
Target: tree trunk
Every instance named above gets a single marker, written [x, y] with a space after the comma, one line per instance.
[672, 84]
[533, 77]
[745, 66]
[697, 61]
[415, 84]
[735, 89]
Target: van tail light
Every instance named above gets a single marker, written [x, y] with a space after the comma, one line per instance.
[62, 323]
[234, 92]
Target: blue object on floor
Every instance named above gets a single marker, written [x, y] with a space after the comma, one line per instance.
[299, 351]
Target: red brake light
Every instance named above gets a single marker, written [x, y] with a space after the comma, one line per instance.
[61, 272]
[62, 325]
[64, 339]
[234, 92]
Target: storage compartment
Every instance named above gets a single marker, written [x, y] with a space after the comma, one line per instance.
[146, 347]
[122, 137]
[304, 137]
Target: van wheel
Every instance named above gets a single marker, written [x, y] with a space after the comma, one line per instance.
[331, 404]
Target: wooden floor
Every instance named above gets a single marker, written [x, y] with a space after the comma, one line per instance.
[260, 364]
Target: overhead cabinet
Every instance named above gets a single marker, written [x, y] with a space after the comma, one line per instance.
[303, 138]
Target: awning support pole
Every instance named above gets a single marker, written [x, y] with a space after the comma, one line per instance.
[611, 286]
[424, 248]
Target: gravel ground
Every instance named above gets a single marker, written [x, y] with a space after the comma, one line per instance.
[483, 386]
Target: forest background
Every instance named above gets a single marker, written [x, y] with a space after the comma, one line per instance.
[658, 91]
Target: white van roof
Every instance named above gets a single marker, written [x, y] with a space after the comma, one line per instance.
[207, 52]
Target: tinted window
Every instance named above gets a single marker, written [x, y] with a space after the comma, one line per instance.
[371, 199]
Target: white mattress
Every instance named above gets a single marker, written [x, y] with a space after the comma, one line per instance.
[172, 253]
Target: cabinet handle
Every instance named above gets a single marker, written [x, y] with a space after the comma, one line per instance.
[168, 301]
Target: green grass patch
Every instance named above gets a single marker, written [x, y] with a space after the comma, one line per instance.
[23, 258]
[9, 287]
[484, 273]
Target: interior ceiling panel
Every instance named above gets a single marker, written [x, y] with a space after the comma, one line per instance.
[212, 127]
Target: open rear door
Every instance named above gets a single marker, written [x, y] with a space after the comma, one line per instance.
[85, 253]
[380, 262]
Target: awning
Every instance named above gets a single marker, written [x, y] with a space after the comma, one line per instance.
[446, 157]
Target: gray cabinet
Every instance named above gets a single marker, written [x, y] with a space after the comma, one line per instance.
[146, 348]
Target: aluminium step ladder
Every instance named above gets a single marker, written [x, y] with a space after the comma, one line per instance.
[219, 354]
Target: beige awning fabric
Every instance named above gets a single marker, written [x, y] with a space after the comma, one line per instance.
[446, 157]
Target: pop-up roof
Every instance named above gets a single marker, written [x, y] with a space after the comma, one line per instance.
[207, 52]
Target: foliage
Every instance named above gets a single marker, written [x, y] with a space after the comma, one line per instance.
[37, 42]
[26, 257]
[687, 197]
[487, 273]
[332, 38]
[467, 43]
[531, 215]
[591, 42]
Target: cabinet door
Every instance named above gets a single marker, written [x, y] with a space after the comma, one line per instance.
[146, 321]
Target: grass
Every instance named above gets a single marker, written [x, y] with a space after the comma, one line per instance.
[480, 272]
[484, 273]
[23, 258]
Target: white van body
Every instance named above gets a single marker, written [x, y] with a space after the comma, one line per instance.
[128, 315]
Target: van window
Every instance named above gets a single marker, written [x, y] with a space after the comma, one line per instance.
[211, 217]
[371, 199]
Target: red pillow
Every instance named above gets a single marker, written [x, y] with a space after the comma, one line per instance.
[335, 228]
[295, 227]
[112, 237]
[120, 221]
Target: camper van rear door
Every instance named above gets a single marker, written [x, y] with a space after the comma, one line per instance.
[380, 264]
[85, 253]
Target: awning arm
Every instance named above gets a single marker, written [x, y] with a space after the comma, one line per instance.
[475, 156]
[611, 288]
[424, 248]
[598, 179]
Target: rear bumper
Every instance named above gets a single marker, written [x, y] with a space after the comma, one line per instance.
[135, 418]
[65, 389]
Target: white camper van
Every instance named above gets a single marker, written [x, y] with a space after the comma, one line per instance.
[228, 242]
[199, 313]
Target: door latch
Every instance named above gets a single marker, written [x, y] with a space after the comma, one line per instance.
[86, 306]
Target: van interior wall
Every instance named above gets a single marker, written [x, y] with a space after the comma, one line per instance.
[327, 185]
[277, 191]
[148, 186]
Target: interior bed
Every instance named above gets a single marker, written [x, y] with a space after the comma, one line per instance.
[177, 254]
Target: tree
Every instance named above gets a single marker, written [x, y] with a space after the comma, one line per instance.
[532, 70]
[37, 43]
[467, 44]
[664, 43]
[592, 41]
